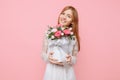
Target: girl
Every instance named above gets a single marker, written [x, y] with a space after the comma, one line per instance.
[62, 70]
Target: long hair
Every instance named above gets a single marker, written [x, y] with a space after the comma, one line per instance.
[74, 22]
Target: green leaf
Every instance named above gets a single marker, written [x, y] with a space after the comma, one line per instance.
[59, 28]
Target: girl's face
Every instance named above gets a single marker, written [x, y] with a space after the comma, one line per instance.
[66, 17]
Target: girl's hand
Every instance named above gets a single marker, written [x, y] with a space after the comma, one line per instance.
[68, 59]
[50, 57]
[52, 60]
[56, 62]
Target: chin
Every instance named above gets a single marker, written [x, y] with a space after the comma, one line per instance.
[62, 23]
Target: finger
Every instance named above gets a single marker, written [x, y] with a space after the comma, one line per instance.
[68, 55]
[68, 59]
[53, 62]
[51, 58]
[55, 59]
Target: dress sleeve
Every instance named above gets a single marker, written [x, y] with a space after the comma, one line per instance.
[74, 53]
[44, 54]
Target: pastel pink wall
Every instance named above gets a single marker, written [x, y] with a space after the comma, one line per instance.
[23, 22]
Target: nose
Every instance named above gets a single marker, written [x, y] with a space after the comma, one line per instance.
[64, 18]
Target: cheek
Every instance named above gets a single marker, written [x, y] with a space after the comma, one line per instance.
[60, 17]
[69, 20]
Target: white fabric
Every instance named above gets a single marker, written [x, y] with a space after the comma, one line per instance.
[44, 54]
[60, 47]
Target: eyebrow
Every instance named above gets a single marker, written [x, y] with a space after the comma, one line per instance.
[67, 14]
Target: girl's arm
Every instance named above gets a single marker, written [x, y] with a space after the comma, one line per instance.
[71, 59]
[44, 54]
[74, 53]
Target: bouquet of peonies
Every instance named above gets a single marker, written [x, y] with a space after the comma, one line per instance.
[59, 31]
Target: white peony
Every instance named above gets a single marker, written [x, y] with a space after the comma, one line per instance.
[62, 28]
[70, 28]
[62, 34]
[52, 37]
[71, 33]
[54, 30]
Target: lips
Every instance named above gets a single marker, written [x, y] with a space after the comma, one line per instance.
[63, 21]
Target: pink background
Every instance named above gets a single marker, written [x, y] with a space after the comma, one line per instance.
[22, 25]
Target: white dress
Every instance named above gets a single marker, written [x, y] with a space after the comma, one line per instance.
[60, 47]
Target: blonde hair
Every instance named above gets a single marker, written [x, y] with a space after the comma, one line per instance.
[74, 22]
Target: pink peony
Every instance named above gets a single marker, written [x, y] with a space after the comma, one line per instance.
[66, 31]
[57, 34]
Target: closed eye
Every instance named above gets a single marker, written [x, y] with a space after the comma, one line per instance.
[69, 15]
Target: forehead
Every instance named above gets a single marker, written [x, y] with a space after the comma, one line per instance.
[69, 11]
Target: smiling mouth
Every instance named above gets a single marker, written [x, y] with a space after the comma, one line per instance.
[63, 21]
